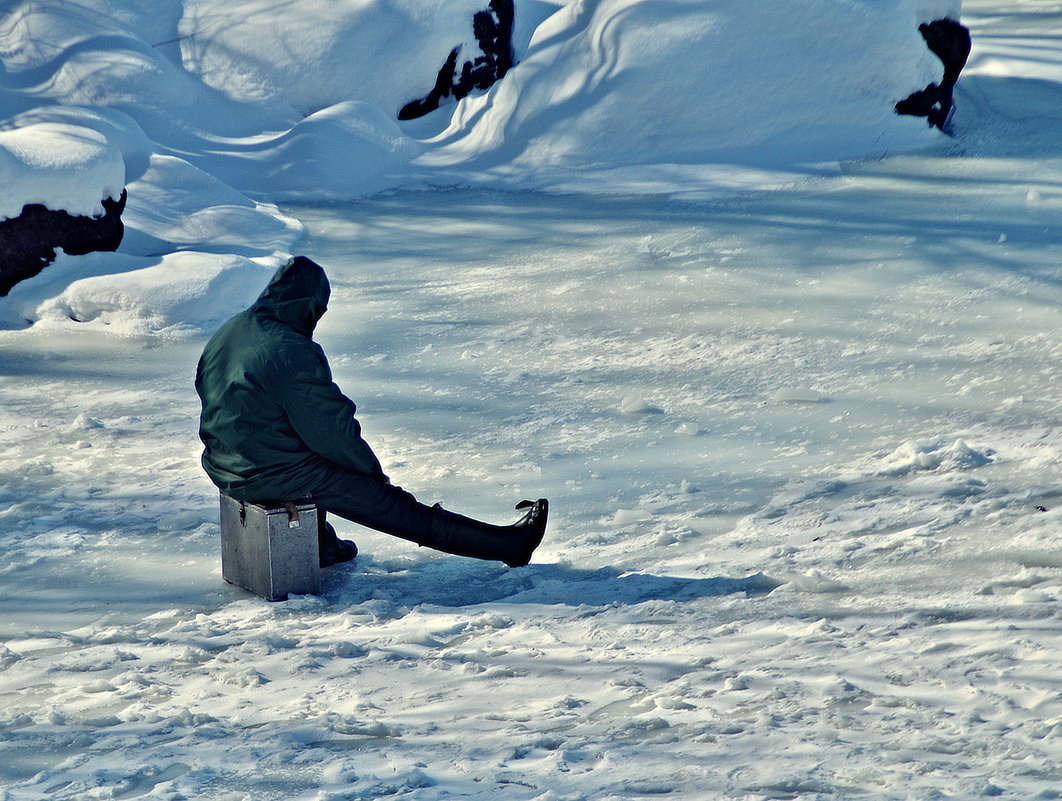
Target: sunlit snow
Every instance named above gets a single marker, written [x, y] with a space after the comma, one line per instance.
[802, 448]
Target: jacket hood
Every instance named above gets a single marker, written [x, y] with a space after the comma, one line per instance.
[297, 295]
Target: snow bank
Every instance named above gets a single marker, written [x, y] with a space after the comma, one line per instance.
[618, 96]
[624, 84]
[298, 100]
[195, 252]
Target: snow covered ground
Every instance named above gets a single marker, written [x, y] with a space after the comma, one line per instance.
[797, 445]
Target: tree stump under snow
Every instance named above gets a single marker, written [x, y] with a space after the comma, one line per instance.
[950, 42]
[493, 30]
[28, 242]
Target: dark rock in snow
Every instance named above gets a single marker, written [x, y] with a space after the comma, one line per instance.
[28, 242]
[950, 42]
[493, 30]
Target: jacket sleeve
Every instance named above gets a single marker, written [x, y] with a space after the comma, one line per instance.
[323, 416]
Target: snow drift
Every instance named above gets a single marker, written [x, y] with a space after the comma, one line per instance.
[622, 84]
[272, 102]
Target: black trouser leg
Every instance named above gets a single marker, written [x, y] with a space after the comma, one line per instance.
[394, 511]
[374, 504]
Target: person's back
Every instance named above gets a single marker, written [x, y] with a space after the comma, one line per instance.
[249, 442]
[272, 419]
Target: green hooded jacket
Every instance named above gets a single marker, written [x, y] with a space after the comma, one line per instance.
[273, 422]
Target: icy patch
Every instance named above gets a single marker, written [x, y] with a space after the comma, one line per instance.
[798, 395]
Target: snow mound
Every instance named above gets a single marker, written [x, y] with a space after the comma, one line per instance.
[321, 54]
[636, 404]
[687, 428]
[175, 205]
[627, 517]
[913, 457]
[131, 295]
[625, 84]
[195, 252]
[619, 95]
[350, 148]
[60, 166]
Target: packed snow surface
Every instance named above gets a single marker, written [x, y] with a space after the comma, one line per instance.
[802, 448]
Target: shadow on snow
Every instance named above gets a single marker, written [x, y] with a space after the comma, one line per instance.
[461, 583]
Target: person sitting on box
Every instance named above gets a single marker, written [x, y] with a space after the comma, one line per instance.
[275, 426]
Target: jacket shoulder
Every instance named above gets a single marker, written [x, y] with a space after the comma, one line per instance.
[291, 352]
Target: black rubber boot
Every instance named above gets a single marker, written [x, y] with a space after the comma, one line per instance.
[333, 550]
[463, 536]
